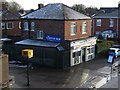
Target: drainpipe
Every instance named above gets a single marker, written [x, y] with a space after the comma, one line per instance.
[93, 27]
[118, 17]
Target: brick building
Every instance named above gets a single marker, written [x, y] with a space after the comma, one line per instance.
[59, 36]
[10, 24]
[106, 23]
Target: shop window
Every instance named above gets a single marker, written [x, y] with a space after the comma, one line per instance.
[98, 22]
[84, 27]
[26, 26]
[92, 50]
[32, 26]
[88, 51]
[2, 25]
[73, 28]
[73, 54]
[10, 25]
[79, 53]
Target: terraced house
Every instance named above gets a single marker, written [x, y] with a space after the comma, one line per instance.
[107, 22]
[10, 24]
[58, 35]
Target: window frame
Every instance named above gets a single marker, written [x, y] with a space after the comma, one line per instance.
[84, 26]
[27, 26]
[32, 26]
[98, 23]
[11, 26]
[73, 28]
[38, 34]
[2, 24]
[111, 23]
[20, 25]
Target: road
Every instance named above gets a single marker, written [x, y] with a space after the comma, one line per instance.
[56, 78]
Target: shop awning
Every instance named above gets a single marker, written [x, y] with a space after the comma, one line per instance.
[31, 42]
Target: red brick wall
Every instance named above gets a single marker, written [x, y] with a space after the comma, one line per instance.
[79, 29]
[104, 25]
[15, 31]
[52, 27]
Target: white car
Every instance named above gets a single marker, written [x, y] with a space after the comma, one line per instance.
[114, 51]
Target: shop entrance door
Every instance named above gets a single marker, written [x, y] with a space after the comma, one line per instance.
[75, 58]
[83, 54]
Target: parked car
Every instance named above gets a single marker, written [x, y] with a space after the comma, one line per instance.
[108, 34]
[115, 51]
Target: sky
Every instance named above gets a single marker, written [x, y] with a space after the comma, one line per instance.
[33, 4]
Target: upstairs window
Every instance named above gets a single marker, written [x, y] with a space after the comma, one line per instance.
[99, 22]
[73, 28]
[111, 22]
[19, 25]
[26, 26]
[10, 25]
[32, 26]
[84, 27]
[2, 25]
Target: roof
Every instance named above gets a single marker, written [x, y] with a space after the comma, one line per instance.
[112, 14]
[7, 15]
[31, 42]
[56, 11]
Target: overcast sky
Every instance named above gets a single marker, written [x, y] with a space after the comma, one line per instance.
[33, 4]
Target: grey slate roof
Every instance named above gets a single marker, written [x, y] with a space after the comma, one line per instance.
[113, 14]
[37, 43]
[56, 11]
[7, 15]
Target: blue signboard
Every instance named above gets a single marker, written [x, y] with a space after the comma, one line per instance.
[54, 38]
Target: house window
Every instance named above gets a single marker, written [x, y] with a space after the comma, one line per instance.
[32, 26]
[73, 28]
[111, 22]
[84, 27]
[2, 25]
[99, 22]
[39, 34]
[19, 25]
[10, 25]
[26, 26]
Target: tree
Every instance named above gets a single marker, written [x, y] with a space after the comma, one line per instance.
[79, 7]
[11, 6]
[85, 10]
[14, 6]
[91, 11]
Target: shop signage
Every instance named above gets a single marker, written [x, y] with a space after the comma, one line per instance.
[54, 38]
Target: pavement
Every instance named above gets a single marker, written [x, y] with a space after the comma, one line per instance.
[94, 73]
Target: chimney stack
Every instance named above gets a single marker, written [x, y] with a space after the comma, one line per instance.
[40, 5]
[119, 4]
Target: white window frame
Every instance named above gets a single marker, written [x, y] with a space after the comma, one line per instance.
[98, 22]
[2, 25]
[19, 25]
[73, 28]
[32, 26]
[8, 25]
[39, 34]
[111, 23]
[84, 27]
[26, 26]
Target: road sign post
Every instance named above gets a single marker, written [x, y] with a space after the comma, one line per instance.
[27, 53]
